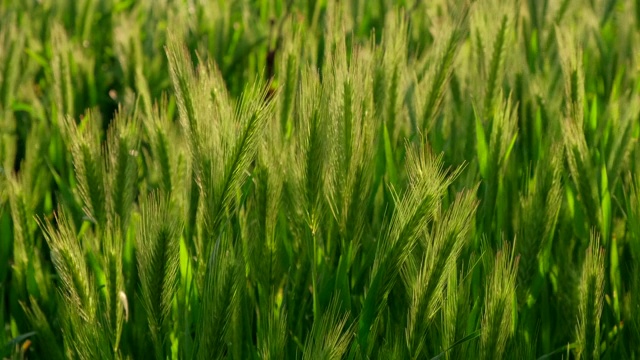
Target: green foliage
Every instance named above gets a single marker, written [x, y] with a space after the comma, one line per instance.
[319, 179]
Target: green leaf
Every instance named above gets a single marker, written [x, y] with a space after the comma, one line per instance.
[389, 157]
[482, 149]
[605, 203]
[474, 335]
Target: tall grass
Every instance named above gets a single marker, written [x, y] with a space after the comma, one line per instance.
[319, 179]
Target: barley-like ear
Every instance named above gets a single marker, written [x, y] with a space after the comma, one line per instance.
[82, 326]
[351, 143]
[13, 42]
[158, 264]
[427, 184]
[89, 164]
[623, 141]
[440, 257]
[183, 78]
[121, 153]
[591, 302]
[116, 311]
[571, 60]
[290, 72]
[61, 68]
[536, 220]
[329, 337]
[167, 146]
[251, 115]
[496, 67]
[500, 304]
[217, 295]
[222, 148]
[272, 339]
[69, 260]
[583, 171]
[444, 69]
[22, 234]
[314, 145]
[455, 316]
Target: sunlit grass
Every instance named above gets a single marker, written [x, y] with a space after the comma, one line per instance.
[319, 179]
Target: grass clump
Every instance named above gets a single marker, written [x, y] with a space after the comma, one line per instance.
[319, 180]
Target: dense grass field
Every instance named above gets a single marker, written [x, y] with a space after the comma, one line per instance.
[320, 179]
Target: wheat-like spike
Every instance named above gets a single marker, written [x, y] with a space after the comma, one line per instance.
[13, 41]
[500, 302]
[69, 260]
[89, 165]
[427, 183]
[272, 339]
[121, 152]
[61, 68]
[444, 69]
[329, 337]
[116, 310]
[591, 301]
[441, 255]
[496, 67]
[158, 264]
[217, 294]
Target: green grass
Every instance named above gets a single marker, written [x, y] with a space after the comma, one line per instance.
[319, 179]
